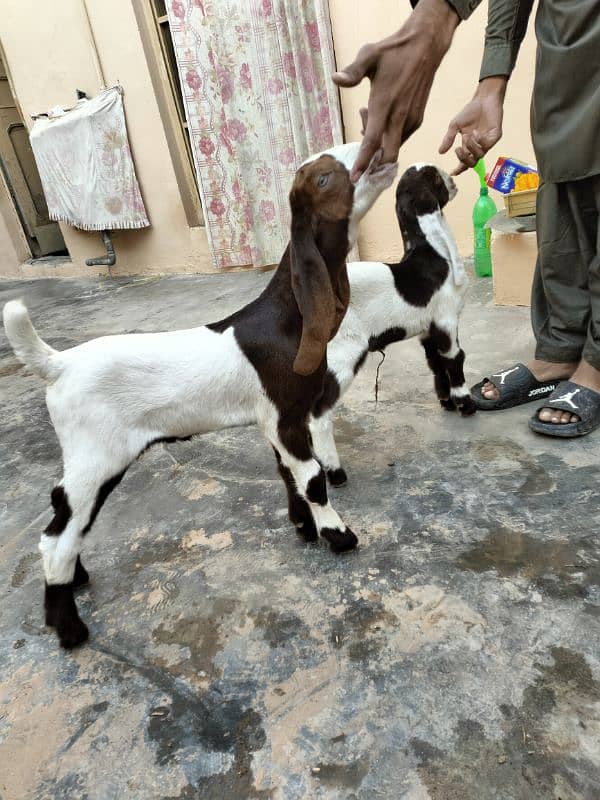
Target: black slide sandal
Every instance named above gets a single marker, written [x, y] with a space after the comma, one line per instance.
[517, 385]
[578, 400]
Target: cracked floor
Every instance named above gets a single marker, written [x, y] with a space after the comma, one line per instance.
[454, 655]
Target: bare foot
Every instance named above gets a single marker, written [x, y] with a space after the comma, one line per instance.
[542, 371]
[584, 375]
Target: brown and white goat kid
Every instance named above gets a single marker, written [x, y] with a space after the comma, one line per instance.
[112, 397]
[423, 296]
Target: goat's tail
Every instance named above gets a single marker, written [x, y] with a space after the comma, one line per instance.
[28, 347]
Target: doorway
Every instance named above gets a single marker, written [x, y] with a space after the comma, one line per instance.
[21, 176]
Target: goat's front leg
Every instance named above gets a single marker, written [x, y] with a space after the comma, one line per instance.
[323, 441]
[291, 441]
[298, 509]
[446, 359]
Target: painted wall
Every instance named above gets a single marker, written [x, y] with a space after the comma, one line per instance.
[49, 55]
[356, 22]
[52, 57]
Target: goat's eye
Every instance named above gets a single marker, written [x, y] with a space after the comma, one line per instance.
[323, 181]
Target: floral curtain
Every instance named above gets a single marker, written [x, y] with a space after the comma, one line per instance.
[259, 99]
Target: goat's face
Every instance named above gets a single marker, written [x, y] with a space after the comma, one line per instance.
[426, 187]
[367, 189]
[323, 190]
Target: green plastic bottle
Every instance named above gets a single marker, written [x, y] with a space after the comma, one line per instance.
[483, 210]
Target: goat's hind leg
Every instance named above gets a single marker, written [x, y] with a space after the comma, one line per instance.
[446, 360]
[62, 510]
[436, 364]
[76, 504]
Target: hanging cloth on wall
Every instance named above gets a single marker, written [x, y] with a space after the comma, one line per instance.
[86, 167]
[259, 100]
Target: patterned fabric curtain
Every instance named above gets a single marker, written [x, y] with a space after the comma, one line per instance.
[259, 99]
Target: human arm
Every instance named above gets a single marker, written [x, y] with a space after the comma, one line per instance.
[401, 69]
[480, 121]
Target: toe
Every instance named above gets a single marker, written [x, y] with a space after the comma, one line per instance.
[489, 391]
[545, 415]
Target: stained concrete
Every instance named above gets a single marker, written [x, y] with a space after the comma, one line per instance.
[454, 655]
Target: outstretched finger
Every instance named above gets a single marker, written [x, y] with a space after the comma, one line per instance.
[373, 136]
[458, 170]
[394, 136]
[449, 138]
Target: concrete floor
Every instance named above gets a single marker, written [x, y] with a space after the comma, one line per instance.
[454, 655]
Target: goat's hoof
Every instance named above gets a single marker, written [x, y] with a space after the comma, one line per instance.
[337, 477]
[340, 541]
[81, 576]
[61, 613]
[72, 633]
[448, 404]
[467, 407]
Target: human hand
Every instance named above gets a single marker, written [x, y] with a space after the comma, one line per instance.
[479, 124]
[401, 69]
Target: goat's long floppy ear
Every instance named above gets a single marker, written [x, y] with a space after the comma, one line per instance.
[313, 291]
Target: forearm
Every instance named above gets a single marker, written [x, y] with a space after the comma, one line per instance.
[506, 28]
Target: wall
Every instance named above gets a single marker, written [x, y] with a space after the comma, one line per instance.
[49, 54]
[356, 22]
[52, 57]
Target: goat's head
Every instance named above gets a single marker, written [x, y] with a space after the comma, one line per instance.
[424, 189]
[423, 192]
[367, 189]
[326, 209]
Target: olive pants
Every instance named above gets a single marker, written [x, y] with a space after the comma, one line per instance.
[565, 299]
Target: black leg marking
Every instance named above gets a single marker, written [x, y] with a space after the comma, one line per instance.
[440, 376]
[61, 613]
[81, 576]
[440, 338]
[103, 493]
[298, 509]
[337, 477]
[296, 439]
[454, 368]
[455, 371]
[316, 490]
[62, 512]
[340, 541]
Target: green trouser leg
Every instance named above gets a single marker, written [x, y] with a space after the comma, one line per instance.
[565, 299]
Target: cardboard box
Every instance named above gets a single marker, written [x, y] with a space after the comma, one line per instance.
[513, 264]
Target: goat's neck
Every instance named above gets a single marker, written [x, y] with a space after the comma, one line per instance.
[431, 231]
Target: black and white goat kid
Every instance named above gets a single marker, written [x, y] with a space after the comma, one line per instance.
[112, 397]
[423, 296]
